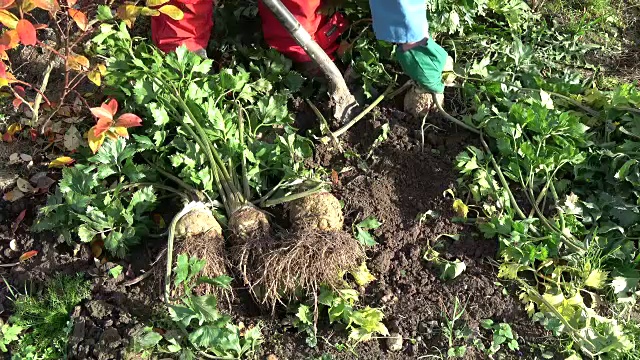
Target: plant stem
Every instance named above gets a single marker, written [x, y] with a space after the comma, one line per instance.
[43, 88]
[359, 117]
[300, 195]
[444, 113]
[173, 178]
[245, 180]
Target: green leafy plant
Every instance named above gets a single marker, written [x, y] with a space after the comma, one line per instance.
[501, 335]
[44, 317]
[340, 305]
[104, 200]
[197, 328]
[362, 228]
[9, 334]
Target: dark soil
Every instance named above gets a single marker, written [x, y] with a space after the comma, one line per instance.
[396, 185]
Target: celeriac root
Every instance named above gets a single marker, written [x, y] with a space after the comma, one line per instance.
[246, 224]
[321, 211]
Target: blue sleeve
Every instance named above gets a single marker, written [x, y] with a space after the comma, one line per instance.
[399, 21]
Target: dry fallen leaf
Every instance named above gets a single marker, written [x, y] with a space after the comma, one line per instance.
[24, 186]
[26, 157]
[14, 158]
[13, 195]
[28, 255]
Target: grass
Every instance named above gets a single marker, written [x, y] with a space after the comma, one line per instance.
[46, 315]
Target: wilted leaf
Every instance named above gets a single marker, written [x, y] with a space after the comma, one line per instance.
[18, 220]
[452, 269]
[96, 248]
[80, 18]
[13, 195]
[128, 14]
[26, 32]
[26, 157]
[14, 158]
[28, 255]
[72, 138]
[61, 162]
[14, 128]
[78, 62]
[362, 275]
[596, 279]
[460, 208]
[172, 11]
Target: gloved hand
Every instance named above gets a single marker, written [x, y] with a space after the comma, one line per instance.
[424, 64]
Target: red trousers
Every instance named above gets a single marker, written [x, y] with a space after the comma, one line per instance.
[194, 29]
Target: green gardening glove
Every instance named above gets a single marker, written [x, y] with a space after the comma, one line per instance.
[424, 64]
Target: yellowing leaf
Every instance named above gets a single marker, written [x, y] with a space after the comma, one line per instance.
[95, 77]
[48, 5]
[78, 62]
[128, 13]
[14, 128]
[362, 275]
[156, 2]
[8, 19]
[102, 69]
[61, 162]
[145, 11]
[596, 279]
[121, 131]
[172, 12]
[460, 208]
[95, 142]
[28, 255]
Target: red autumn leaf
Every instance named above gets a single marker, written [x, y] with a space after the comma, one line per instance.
[26, 32]
[6, 137]
[3, 70]
[129, 120]
[101, 126]
[18, 220]
[112, 106]
[5, 4]
[28, 255]
[21, 92]
[80, 18]
[334, 178]
[33, 134]
[102, 112]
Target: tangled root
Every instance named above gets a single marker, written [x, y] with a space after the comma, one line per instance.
[305, 259]
[247, 224]
[321, 211]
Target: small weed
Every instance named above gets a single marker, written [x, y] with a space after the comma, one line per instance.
[453, 333]
[9, 334]
[362, 230]
[501, 335]
[45, 317]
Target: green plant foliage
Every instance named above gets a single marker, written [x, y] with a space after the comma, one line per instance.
[340, 305]
[568, 152]
[8, 334]
[195, 325]
[44, 317]
[102, 199]
[362, 229]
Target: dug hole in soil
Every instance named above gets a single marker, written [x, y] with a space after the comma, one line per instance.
[400, 183]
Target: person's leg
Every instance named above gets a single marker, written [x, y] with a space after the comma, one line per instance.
[193, 31]
[324, 30]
